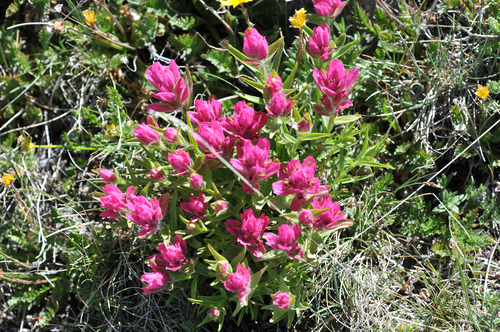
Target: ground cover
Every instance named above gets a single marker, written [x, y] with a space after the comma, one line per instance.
[422, 252]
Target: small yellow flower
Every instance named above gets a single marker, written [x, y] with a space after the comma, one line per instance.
[299, 18]
[89, 17]
[25, 143]
[233, 3]
[7, 179]
[482, 91]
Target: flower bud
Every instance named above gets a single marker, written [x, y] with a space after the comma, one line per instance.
[282, 300]
[58, 27]
[306, 217]
[274, 84]
[319, 43]
[107, 175]
[213, 314]
[156, 175]
[305, 124]
[171, 135]
[255, 45]
[279, 105]
[180, 161]
[146, 134]
[89, 16]
[196, 181]
[220, 206]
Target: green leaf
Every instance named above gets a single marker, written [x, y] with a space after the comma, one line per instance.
[223, 61]
[276, 48]
[313, 136]
[346, 119]
[256, 85]
[183, 23]
[191, 44]
[315, 19]
[337, 53]
[252, 99]
[13, 8]
[122, 223]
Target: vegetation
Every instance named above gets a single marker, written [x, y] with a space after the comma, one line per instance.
[413, 165]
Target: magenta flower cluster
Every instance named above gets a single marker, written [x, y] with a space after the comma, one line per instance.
[241, 139]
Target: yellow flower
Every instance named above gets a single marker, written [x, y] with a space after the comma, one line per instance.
[482, 91]
[89, 17]
[233, 3]
[299, 18]
[25, 143]
[7, 179]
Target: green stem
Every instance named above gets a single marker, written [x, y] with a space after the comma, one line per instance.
[86, 148]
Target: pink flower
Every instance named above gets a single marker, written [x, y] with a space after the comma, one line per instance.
[171, 88]
[319, 43]
[298, 179]
[107, 175]
[196, 205]
[335, 84]
[330, 219]
[212, 133]
[329, 8]
[255, 45]
[196, 181]
[304, 124]
[146, 134]
[286, 241]
[279, 105]
[248, 231]
[213, 314]
[144, 213]
[273, 84]
[156, 282]
[171, 135]
[245, 123]
[220, 206]
[206, 111]
[306, 217]
[114, 201]
[156, 175]
[239, 282]
[282, 300]
[180, 161]
[172, 258]
[253, 161]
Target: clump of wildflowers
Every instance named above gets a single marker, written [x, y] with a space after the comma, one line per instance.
[195, 162]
